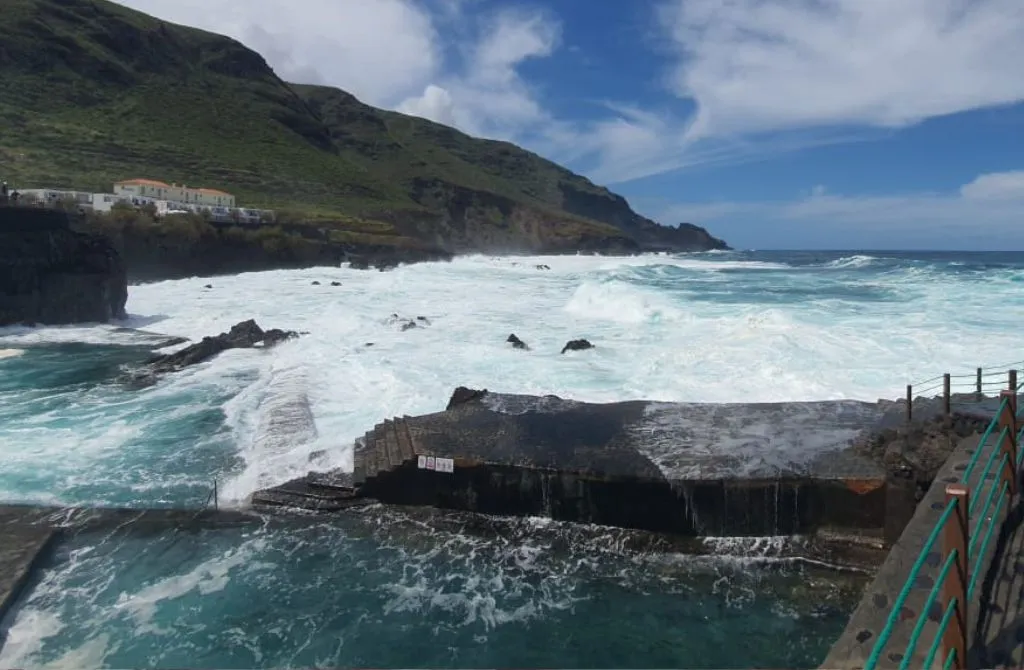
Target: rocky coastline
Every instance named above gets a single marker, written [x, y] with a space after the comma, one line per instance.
[53, 275]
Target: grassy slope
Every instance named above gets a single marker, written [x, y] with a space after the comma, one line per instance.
[91, 92]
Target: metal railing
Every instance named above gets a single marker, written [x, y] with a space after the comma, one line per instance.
[982, 382]
[212, 497]
[962, 549]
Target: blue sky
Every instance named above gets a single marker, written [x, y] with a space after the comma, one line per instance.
[842, 124]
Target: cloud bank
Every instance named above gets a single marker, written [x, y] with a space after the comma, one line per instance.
[984, 215]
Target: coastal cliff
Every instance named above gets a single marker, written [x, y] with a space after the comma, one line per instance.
[92, 92]
[50, 274]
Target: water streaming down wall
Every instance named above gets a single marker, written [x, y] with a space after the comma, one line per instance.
[724, 507]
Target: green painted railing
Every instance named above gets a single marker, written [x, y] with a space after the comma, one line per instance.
[962, 547]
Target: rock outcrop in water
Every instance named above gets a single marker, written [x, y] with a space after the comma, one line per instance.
[52, 275]
[244, 335]
[577, 345]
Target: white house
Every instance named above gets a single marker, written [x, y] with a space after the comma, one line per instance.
[52, 196]
[168, 199]
[159, 190]
[104, 202]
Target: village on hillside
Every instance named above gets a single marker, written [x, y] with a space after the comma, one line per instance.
[166, 198]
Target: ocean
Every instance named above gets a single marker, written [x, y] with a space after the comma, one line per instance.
[394, 588]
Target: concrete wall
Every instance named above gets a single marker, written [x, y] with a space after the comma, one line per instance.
[724, 507]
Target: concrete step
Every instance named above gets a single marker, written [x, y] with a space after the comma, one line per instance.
[379, 454]
[394, 456]
[360, 467]
[284, 498]
[301, 487]
[336, 480]
[405, 447]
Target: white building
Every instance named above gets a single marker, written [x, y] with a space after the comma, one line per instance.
[104, 202]
[140, 192]
[159, 190]
[53, 196]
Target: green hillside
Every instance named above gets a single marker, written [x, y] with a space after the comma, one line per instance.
[91, 92]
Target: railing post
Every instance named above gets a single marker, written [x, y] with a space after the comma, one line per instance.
[978, 384]
[1012, 381]
[1008, 421]
[910, 402]
[216, 497]
[955, 537]
[946, 400]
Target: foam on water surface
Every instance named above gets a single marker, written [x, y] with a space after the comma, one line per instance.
[712, 328]
[387, 591]
[706, 328]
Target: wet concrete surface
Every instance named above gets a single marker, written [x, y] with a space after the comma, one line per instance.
[23, 542]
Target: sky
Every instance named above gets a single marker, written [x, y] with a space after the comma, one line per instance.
[790, 124]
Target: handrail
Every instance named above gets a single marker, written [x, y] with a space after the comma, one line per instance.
[948, 383]
[212, 496]
[981, 442]
[963, 547]
[897, 606]
[940, 581]
[988, 536]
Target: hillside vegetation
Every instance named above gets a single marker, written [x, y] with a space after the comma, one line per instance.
[92, 92]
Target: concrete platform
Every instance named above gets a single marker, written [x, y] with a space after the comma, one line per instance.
[688, 468]
[23, 543]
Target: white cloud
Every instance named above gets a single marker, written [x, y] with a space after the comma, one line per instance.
[757, 66]
[489, 97]
[379, 50]
[982, 215]
[996, 185]
[769, 77]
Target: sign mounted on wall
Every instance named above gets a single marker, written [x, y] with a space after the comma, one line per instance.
[435, 463]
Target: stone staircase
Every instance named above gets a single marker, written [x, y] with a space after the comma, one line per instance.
[320, 492]
[386, 447]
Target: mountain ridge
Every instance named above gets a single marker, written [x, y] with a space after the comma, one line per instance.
[92, 92]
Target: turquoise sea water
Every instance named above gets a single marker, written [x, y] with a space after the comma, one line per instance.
[386, 589]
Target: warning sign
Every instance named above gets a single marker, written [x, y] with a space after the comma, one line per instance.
[435, 463]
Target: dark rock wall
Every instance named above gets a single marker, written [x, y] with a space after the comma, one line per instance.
[697, 508]
[52, 275]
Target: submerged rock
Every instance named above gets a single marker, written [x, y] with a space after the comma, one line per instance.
[50, 274]
[407, 324]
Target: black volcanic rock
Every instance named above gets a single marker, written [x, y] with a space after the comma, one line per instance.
[577, 345]
[462, 395]
[516, 343]
[244, 335]
[50, 274]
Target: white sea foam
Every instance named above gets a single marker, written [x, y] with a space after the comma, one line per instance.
[11, 353]
[851, 262]
[659, 335]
